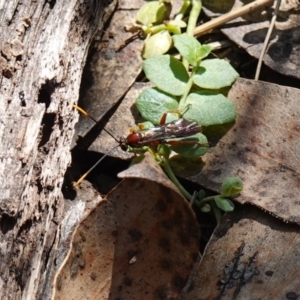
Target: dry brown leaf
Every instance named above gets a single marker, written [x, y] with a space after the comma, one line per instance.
[250, 256]
[148, 169]
[140, 243]
[249, 32]
[110, 72]
[262, 148]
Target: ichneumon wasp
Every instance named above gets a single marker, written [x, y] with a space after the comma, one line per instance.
[151, 138]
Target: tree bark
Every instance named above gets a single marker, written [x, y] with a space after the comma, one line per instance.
[44, 46]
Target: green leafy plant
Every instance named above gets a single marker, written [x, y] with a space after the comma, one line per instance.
[231, 187]
[173, 86]
[192, 87]
[153, 20]
[152, 13]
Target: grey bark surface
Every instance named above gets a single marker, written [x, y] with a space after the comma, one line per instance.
[43, 45]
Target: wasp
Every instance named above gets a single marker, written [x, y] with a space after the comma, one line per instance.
[151, 137]
[160, 134]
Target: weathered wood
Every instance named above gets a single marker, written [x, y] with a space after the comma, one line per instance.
[43, 50]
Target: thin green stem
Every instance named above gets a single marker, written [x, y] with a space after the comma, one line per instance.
[217, 212]
[185, 6]
[193, 17]
[155, 29]
[205, 200]
[174, 179]
[182, 101]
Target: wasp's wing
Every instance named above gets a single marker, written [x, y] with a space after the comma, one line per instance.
[182, 128]
[175, 129]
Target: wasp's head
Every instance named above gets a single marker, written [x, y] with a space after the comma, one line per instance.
[123, 144]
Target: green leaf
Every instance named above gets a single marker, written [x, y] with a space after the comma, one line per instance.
[224, 204]
[178, 23]
[152, 103]
[209, 108]
[192, 146]
[206, 208]
[157, 44]
[201, 194]
[231, 186]
[190, 48]
[152, 13]
[215, 74]
[167, 73]
[146, 125]
[175, 26]
[204, 51]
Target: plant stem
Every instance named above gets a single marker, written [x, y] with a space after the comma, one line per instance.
[182, 101]
[217, 212]
[205, 200]
[215, 209]
[194, 15]
[185, 5]
[155, 29]
[168, 170]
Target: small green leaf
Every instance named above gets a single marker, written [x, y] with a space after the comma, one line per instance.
[231, 186]
[152, 103]
[192, 146]
[209, 108]
[190, 48]
[175, 26]
[204, 51]
[178, 23]
[201, 194]
[215, 74]
[167, 73]
[224, 204]
[146, 125]
[157, 44]
[152, 13]
[206, 208]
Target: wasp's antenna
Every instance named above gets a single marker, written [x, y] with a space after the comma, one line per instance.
[75, 185]
[89, 116]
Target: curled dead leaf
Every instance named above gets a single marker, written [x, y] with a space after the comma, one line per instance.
[140, 243]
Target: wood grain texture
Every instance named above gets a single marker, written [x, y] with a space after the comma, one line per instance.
[43, 45]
